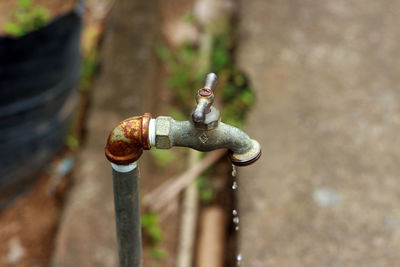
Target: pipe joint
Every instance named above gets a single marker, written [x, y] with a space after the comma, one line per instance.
[127, 140]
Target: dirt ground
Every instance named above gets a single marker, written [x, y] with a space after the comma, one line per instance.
[28, 225]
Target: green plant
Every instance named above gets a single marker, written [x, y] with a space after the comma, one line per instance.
[163, 157]
[26, 18]
[151, 228]
[189, 17]
[72, 142]
[233, 87]
[158, 253]
[236, 93]
[89, 68]
[206, 193]
[183, 75]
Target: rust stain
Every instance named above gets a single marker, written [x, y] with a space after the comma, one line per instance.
[126, 142]
[205, 92]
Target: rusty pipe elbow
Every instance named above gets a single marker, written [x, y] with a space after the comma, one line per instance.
[127, 140]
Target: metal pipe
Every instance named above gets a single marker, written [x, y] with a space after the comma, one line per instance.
[127, 215]
[126, 142]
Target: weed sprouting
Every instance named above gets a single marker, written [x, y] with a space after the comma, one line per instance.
[233, 86]
[151, 228]
[26, 18]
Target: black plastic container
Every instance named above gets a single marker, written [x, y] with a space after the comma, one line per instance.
[38, 76]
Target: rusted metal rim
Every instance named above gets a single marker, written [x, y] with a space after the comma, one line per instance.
[248, 157]
[205, 92]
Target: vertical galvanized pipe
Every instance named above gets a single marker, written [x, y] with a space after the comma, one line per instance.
[127, 214]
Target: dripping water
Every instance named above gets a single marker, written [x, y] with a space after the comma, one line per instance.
[234, 185]
[233, 170]
[239, 259]
[235, 214]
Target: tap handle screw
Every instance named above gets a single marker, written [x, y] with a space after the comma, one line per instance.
[205, 98]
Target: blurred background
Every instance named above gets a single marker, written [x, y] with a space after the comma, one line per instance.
[315, 82]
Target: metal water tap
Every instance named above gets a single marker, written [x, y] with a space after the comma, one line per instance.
[204, 131]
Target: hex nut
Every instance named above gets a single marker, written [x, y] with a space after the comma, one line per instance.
[163, 128]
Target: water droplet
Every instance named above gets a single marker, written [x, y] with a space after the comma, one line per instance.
[236, 220]
[235, 185]
[239, 259]
[237, 228]
[233, 170]
[234, 212]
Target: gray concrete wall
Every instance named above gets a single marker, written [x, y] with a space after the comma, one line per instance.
[327, 77]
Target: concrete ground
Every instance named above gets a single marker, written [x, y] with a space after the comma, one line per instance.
[326, 191]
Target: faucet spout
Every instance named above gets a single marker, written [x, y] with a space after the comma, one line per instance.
[242, 149]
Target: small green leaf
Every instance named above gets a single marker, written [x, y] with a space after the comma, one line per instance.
[155, 233]
[72, 142]
[26, 18]
[24, 4]
[163, 157]
[149, 219]
[151, 227]
[247, 98]
[158, 253]
[201, 182]
[163, 53]
[189, 17]
[239, 80]
[207, 195]
[13, 29]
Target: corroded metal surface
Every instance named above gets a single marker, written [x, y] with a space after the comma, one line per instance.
[243, 149]
[205, 92]
[126, 142]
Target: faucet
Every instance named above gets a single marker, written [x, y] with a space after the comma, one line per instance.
[204, 131]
